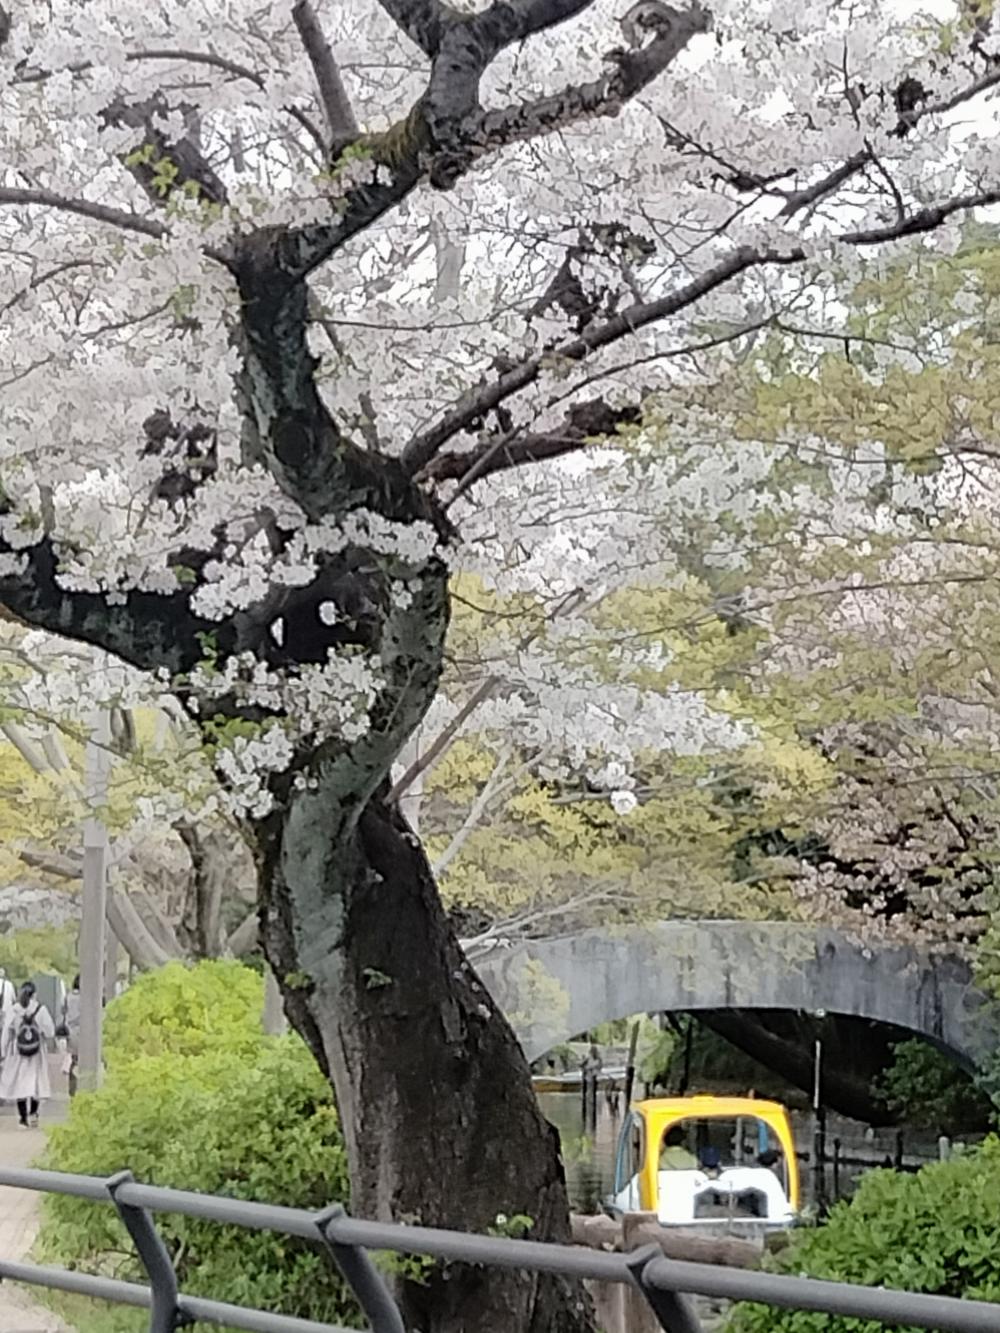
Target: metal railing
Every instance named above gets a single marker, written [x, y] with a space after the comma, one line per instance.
[664, 1283]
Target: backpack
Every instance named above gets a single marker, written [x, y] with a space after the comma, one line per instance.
[28, 1038]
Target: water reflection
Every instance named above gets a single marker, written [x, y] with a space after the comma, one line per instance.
[589, 1156]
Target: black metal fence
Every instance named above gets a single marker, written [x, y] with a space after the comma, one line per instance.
[665, 1283]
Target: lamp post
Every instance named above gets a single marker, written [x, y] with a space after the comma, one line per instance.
[94, 902]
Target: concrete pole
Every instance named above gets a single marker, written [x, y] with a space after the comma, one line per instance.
[94, 904]
[111, 961]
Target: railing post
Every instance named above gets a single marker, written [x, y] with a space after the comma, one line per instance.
[362, 1276]
[674, 1311]
[164, 1315]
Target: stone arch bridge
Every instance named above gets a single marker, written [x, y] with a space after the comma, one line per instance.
[553, 989]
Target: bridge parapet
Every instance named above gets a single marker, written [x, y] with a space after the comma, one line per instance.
[553, 989]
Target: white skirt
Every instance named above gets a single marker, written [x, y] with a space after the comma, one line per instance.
[23, 1076]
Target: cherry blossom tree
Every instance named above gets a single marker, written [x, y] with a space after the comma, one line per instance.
[866, 614]
[307, 310]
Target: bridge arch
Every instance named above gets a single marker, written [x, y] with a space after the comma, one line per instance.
[553, 989]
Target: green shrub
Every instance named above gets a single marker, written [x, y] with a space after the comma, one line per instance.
[935, 1231]
[47, 949]
[926, 1089]
[186, 1010]
[253, 1119]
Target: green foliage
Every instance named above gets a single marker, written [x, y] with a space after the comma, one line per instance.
[46, 949]
[206, 1103]
[655, 1053]
[513, 1228]
[183, 1011]
[924, 1088]
[932, 1232]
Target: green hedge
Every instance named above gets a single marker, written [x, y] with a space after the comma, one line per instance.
[935, 1231]
[186, 1010]
[247, 1116]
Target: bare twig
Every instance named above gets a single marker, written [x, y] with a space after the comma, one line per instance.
[489, 790]
[443, 739]
[515, 925]
[47, 276]
[884, 172]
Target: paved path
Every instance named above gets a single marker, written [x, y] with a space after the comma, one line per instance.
[19, 1218]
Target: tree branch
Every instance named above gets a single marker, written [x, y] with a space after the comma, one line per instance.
[35, 760]
[115, 217]
[340, 117]
[483, 399]
[584, 422]
[189, 165]
[516, 927]
[632, 72]
[52, 863]
[423, 448]
[430, 756]
[211, 877]
[139, 943]
[123, 917]
[924, 220]
[798, 199]
[208, 58]
[245, 938]
[295, 435]
[149, 630]
[422, 20]
[446, 132]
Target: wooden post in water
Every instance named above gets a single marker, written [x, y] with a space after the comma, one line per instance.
[898, 1162]
[633, 1042]
[819, 1130]
[836, 1169]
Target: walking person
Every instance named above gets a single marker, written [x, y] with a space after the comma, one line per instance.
[70, 1030]
[24, 1078]
[8, 995]
[8, 998]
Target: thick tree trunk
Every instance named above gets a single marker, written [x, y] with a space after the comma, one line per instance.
[144, 951]
[210, 879]
[435, 1095]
